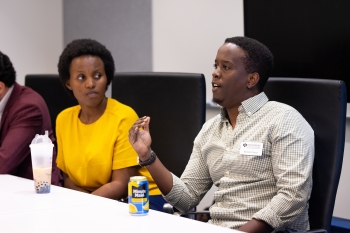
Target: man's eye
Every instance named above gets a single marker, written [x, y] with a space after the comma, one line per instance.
[215, 66]
[226, 67]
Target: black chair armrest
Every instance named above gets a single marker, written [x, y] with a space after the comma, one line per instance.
[196, 212]
[168, 208]
[313, 231]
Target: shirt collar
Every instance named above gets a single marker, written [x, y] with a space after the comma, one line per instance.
[4, 100]
[249, 106]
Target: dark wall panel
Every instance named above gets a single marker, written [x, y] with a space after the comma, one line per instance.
[309, 38]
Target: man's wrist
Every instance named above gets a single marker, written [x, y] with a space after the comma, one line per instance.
[145, 156]
[148, 161]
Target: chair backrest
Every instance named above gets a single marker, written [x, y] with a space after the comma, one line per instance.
[55, 96]
[323, 104]
[176, 104]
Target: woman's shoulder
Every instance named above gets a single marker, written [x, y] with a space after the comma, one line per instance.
[117, 108]
[69, 111]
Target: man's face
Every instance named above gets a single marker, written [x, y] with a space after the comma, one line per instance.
[229, 84]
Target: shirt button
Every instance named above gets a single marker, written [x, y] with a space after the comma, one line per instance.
[227, 173]
[249, 113]
[219, 204]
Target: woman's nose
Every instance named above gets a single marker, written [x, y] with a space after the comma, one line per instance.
[90, 82]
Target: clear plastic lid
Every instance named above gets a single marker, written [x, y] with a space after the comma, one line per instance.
[42, 138]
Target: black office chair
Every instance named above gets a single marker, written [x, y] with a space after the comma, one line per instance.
[176, 104]
[52, 91]
[323, 104]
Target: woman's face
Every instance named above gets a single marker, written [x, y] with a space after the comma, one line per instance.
[87, 80]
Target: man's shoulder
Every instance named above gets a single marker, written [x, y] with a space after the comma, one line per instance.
[278, 105]
[217, 119]
[27, 94]
[23, 96]
[210, 126]
[284, 114]
[278, 108]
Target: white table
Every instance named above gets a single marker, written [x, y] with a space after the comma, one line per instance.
[64, 210]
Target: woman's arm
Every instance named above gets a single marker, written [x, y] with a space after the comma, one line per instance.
[117, 188]
[68, 183]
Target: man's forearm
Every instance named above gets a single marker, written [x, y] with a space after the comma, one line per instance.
[256, 226]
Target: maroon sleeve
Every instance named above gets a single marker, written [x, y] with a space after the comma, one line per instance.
[27, 117]
[21, 130]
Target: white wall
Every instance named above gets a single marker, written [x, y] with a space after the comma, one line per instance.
[31, 35]
[187, 34]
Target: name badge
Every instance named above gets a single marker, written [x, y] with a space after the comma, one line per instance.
[251, 148]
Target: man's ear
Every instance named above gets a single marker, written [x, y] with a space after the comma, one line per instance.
[2, 88]
[68, 85]
[253, 80]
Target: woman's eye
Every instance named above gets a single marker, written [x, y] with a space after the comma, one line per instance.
[97, 76]
[80, 77]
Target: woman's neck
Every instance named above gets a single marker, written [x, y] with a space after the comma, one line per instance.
[89, 115]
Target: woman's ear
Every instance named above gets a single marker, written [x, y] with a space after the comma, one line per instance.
[68, 85]
[253, 80]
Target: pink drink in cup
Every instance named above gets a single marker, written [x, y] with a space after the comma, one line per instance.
[41, 150]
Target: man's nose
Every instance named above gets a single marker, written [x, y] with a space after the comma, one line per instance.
[216, 73]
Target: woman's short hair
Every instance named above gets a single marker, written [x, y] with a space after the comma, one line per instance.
[81, 47]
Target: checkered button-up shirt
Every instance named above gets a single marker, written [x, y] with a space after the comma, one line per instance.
[274, 186]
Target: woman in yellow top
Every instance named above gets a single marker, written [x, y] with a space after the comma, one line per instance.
[94, 152]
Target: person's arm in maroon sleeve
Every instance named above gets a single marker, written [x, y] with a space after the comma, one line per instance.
[15, 146]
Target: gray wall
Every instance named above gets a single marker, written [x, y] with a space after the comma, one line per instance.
[123, 26]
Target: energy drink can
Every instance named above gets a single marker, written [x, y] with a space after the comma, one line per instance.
[138, 195]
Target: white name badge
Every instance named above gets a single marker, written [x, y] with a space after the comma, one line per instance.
[251, 148]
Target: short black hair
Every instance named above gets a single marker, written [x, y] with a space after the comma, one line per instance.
[258, 58]
[81, 47]
[7, 72]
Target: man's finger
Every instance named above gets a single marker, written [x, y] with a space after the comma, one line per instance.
[146, 123]
[133, 134]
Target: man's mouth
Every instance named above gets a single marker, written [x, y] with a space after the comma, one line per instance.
[214, 85]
